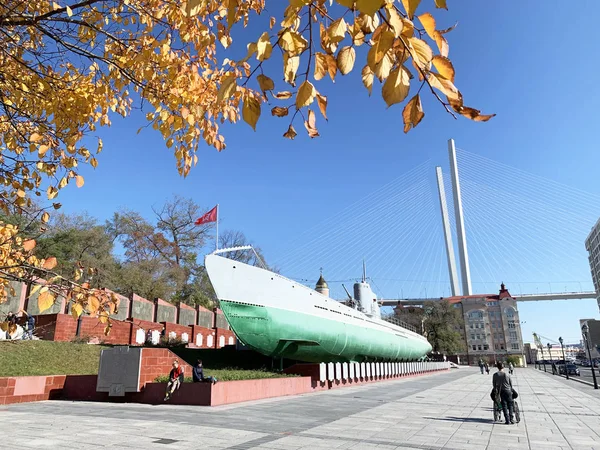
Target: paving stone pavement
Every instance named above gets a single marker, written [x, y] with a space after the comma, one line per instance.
[449, 410]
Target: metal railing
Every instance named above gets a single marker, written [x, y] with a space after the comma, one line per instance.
[395, 321]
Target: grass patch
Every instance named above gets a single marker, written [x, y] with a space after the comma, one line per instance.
[23, 358]
[232, 375]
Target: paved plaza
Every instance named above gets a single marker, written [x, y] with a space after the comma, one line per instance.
[449, 410]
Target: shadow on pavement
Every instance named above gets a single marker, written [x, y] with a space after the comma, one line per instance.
[462, 419]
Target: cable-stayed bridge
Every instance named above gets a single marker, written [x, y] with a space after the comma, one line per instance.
[521, 229]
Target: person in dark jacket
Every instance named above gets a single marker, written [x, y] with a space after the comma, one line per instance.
[198, 374]
[29, 325]
[503, 389]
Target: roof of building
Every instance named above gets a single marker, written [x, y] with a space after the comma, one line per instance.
[488, 297]
[321, 283]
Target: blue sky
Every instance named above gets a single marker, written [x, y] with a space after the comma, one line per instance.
[525, 62]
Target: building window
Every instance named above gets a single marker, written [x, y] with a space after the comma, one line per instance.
[479, 347]
[512, 335]
[476, 315]
[497, 347]
[472, 337]
[511, 324]
[509, 312]
[501, 346]
[471, 326]
[485, 347]
[514, 346]
[478, 336]
[475, 347]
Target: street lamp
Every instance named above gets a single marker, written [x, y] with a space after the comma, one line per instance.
[543, 359]
[562, 347]
[551, 360]
[586, 338]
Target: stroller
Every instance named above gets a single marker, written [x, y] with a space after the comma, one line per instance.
[498, 406]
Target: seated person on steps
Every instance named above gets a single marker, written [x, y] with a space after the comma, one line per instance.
[198, 374]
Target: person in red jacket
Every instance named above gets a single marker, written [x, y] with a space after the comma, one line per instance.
[175, 379]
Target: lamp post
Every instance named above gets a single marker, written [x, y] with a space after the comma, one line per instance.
[551, 360]
[585, 329]
[562, 347]
[543, 359]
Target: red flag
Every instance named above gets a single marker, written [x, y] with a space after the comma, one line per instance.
[210, 216]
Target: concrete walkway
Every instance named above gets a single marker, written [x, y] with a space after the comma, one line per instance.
[448, 410]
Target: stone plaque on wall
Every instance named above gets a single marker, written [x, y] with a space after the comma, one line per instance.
[119, 370]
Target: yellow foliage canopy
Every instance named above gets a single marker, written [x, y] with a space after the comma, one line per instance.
[68, 66]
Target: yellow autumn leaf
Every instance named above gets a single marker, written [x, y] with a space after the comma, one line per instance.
[265, 83]
[337, 30]
[290, 67]
[293, 42]
[441, 4]
[284, 95]
[50, 263]
[441, 42]
[46, 216]
[445, 86]
[367, 78]
[369, 7]
[410, 6]
[345, 60]
[382, 44]
[290, 133]
[251, 111]
[421, 52]
[35, 137]
[346, 3]
[79, 181]
[76, 310]
[226, 90]
[396, 86]
[310, 124]
[320, 66]
[395, 21]
[306, 94]
[412, 113]
[69, 11]
[192, 7]
[29, 245]
[322, 102]
[45, 301]
[264, 47]
[444, 67]
[279, 111]
[93, 304]
[428, 23]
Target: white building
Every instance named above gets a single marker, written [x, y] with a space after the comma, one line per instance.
[592, 245]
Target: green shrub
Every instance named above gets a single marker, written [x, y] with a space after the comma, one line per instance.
[232, 375]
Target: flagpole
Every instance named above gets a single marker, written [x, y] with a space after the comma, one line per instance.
[217, 243]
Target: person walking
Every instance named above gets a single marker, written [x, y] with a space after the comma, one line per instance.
[487, 368]
[481, 366]
[510, 368]
[503, 389]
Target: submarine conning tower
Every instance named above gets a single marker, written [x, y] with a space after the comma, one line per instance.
[366, 299]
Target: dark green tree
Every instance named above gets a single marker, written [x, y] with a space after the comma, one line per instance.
[440, 324]
[79, 241]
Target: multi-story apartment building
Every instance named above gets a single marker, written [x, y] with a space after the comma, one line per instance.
[491, 328]
[592, 245]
